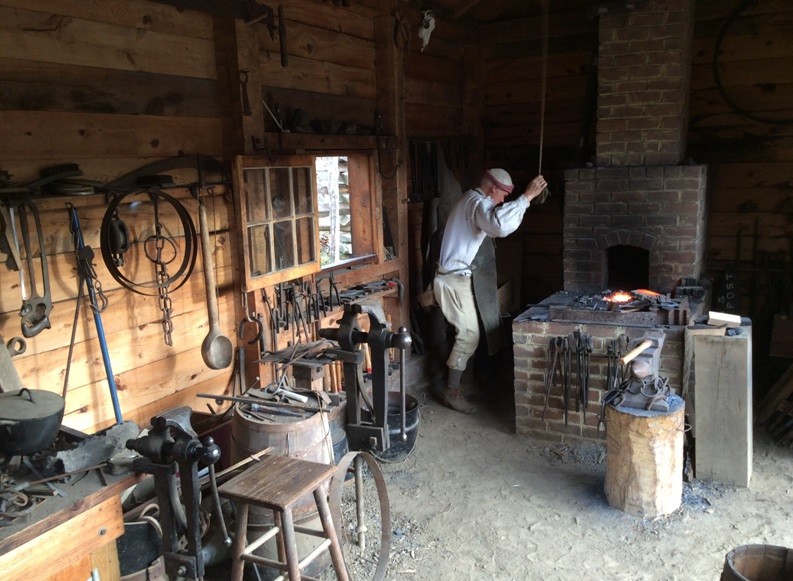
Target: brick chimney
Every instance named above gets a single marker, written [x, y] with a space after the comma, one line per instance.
[638, 196]
[644, 79]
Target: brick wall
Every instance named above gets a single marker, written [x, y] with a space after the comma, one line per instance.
[658, 208]
[644, 74]
[531, 340]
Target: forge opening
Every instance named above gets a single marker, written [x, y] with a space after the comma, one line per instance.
[628, 267]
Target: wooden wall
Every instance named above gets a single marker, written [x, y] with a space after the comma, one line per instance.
[514, 129]
[110, 86]
[113, 85]
[750, 222]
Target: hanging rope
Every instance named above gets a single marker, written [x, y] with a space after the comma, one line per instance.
[543, 86]
[544, 76]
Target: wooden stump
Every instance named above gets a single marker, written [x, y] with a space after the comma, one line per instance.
[644, 459]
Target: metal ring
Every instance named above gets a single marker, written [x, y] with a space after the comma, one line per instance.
[334, 500]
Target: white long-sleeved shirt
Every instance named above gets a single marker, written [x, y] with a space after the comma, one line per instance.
[473, 217]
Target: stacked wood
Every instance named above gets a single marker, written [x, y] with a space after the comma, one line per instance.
[644, 460]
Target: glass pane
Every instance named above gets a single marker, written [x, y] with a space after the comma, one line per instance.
[255, 180]
[279, 192]
[305, 240]
[284, 245]
[259, 243]
[302, 190]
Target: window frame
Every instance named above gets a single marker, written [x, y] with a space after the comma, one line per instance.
[368, 238]
[252, 280]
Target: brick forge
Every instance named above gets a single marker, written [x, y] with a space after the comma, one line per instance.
[638, 197]
[530, 350]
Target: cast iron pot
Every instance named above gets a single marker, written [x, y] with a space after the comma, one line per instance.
[29, 420]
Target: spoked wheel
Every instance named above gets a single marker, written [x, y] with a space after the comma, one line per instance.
[348, 504]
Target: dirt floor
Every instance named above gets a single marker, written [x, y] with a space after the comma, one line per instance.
[475, 501]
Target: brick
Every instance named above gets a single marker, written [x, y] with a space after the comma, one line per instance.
[644, 97]
[613, 185]
[647, 72]
[633, 34]
[642, 123]
[663, 110]
[647, 18]
[663, 31]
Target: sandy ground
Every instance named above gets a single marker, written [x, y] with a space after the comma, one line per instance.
[475, 501]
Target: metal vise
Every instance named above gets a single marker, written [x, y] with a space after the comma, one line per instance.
[172, 446]
[368, 431]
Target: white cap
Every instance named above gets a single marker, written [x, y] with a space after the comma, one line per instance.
[501, 179]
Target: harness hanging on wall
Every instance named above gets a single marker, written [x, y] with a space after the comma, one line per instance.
[161, 249]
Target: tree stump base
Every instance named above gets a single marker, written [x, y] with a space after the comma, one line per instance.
[644, 459]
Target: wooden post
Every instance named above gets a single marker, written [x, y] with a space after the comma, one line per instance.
[644, 459]
[723, 404]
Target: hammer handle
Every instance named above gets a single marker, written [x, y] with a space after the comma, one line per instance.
[634, 353]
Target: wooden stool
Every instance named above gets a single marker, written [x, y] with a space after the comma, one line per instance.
[277, 483]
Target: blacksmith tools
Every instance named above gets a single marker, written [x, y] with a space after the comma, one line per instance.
[368, 431]
[583, 351]
[170, 448]
[36, 302]
[87, 277]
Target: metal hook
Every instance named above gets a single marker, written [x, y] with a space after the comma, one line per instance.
[248, 316]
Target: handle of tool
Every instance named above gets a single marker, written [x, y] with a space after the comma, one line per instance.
[634, 353]
[100, 328]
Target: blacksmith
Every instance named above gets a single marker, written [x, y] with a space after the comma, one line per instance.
[479, 213]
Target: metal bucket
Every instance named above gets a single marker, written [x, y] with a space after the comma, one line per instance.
[758, 563]
[400, 450]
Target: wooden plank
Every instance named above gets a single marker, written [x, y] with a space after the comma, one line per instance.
[529, 67]
[430, 68]
[28, 134]
[718, 10]
[321, 107]
[54, 38]
[750, 38]
[433, 121]
[316, 76]
[568, 23]
[723, 407]
[766, 73]
[362, 205]
[333, 17]
[523, 114]
[37, 86]
[140, 14]
[99, 169]
[128, 348]
[86, 531]
[432, 93]
[321, 44]
[498, 93]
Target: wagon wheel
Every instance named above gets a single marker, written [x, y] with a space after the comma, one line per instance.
[353, 463]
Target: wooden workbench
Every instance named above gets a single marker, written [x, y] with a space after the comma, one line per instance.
[67, 538]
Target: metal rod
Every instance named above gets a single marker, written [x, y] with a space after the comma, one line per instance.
[100, 328]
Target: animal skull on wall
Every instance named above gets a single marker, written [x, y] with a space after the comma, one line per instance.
[427, 26]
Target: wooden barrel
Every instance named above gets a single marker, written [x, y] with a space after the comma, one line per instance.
[758, 563]
[307, 439]
[644, 459]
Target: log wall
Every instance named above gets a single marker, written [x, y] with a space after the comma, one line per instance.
[750, 226]
[111, 86]
[115, 85]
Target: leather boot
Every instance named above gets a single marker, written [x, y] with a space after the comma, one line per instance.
[454, 399]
